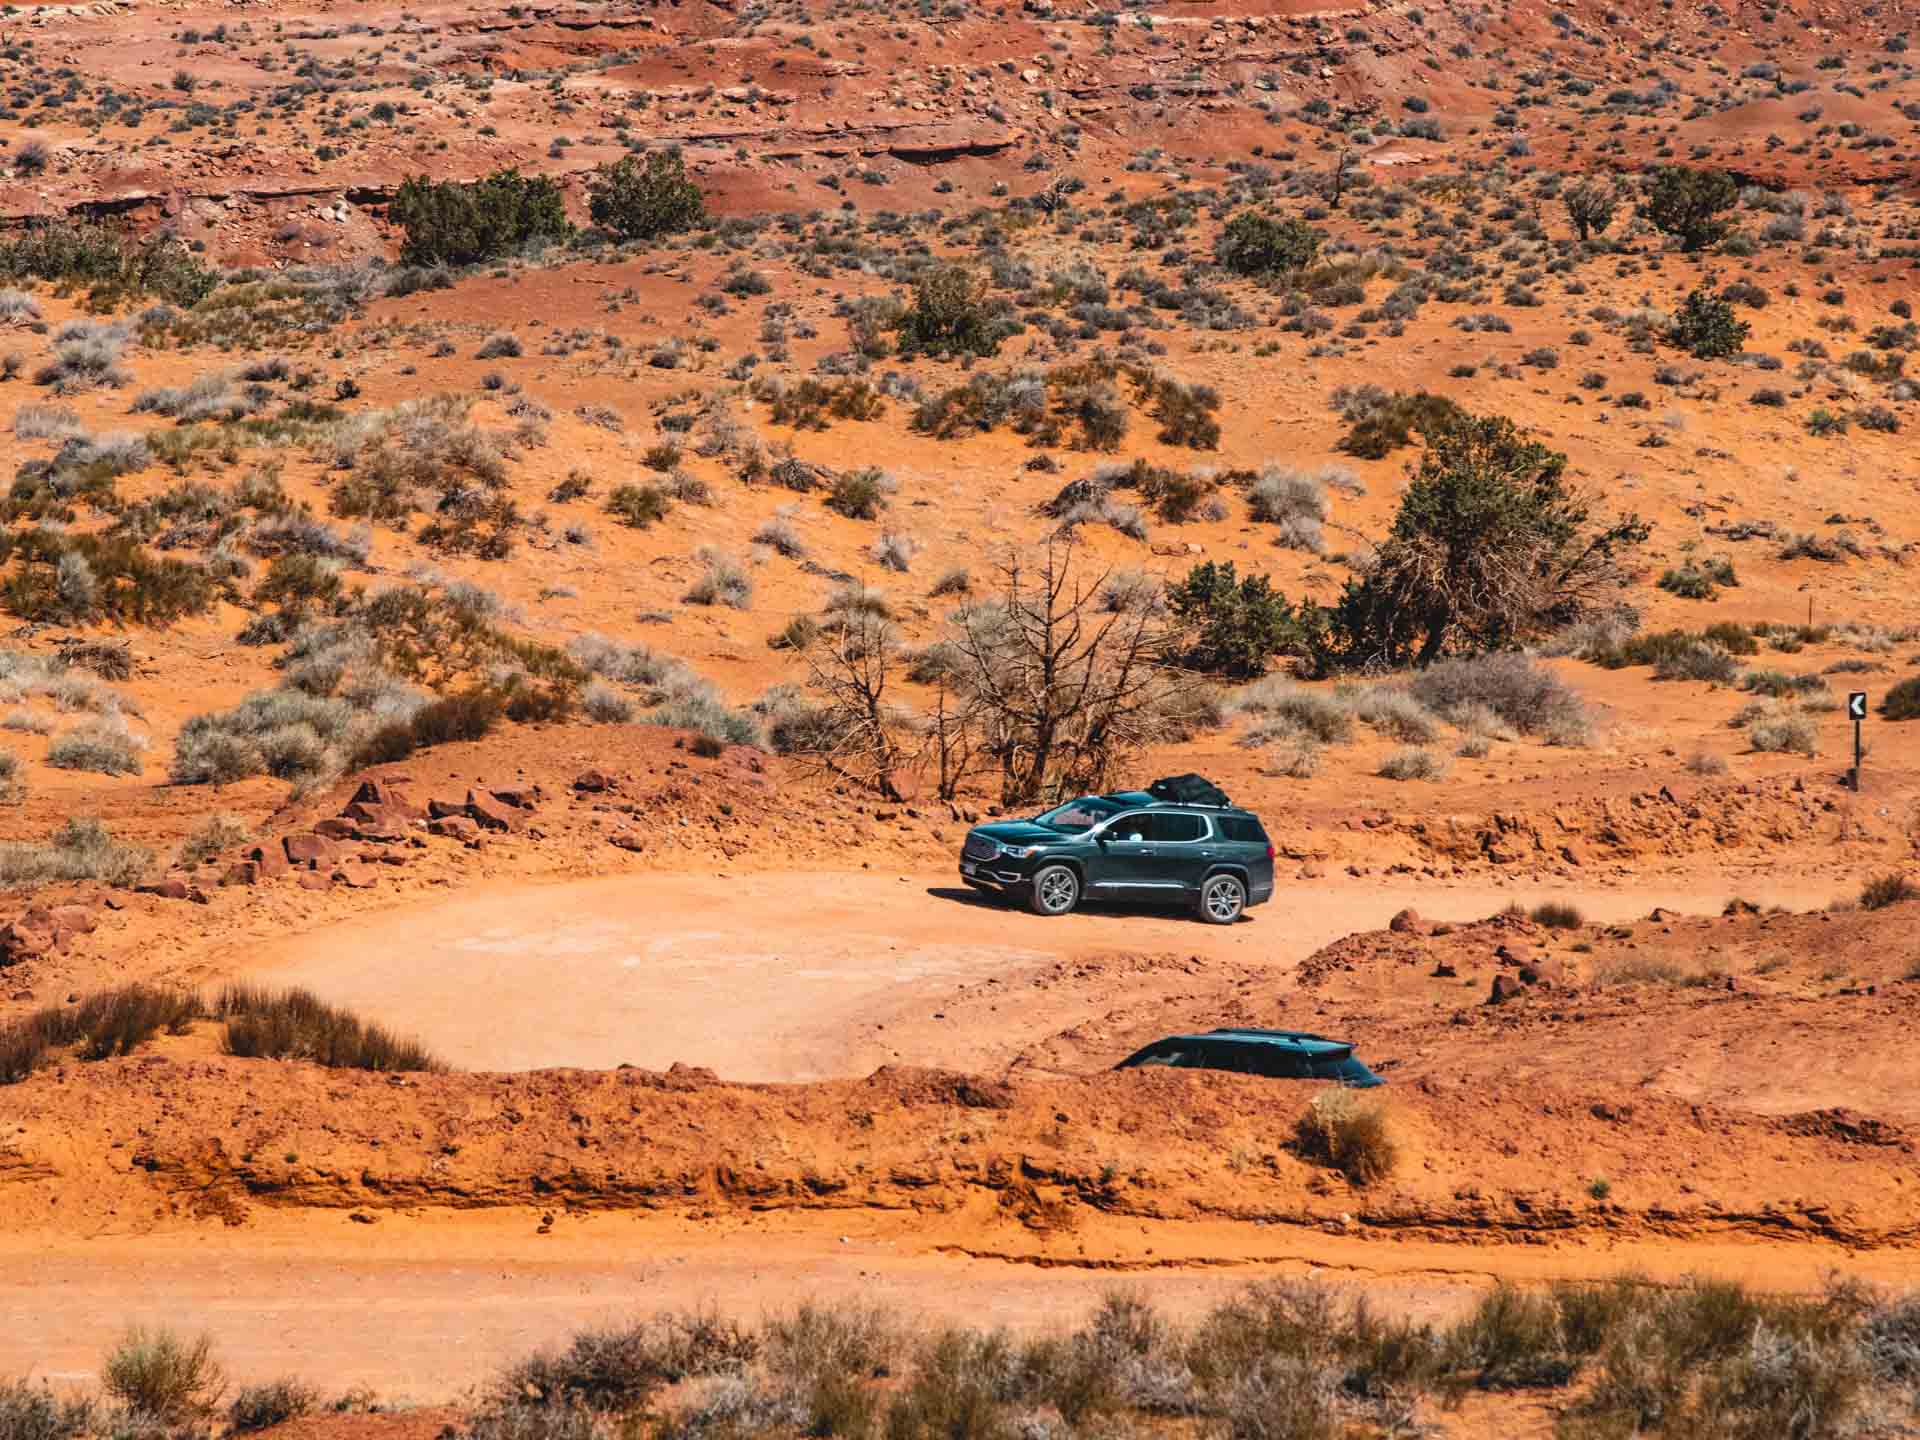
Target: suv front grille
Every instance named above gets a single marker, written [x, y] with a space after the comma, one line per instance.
[979, 848]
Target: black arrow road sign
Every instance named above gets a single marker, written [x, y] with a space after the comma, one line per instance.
[1857, 705]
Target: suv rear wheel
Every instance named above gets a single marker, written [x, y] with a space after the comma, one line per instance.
[1056, 890]
[1222, 898]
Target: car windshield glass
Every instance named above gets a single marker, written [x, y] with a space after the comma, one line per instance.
[1078, 815]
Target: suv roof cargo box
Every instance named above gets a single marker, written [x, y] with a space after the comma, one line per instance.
[1188, 790]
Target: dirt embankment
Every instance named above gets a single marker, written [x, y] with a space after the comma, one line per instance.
[1010, 1168]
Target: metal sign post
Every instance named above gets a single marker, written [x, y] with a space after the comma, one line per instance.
[1856, 712]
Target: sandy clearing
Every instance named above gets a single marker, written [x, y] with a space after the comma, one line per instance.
[790, 976]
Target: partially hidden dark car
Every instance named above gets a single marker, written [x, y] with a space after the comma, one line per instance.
[1282, 1054]
[1215, 859]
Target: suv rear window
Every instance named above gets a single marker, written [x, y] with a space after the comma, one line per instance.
[1243, 828]
[1168, 828]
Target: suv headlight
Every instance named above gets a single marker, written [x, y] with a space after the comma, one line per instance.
[1019, 852]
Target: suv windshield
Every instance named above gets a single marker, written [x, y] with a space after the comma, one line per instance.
[1077, 816]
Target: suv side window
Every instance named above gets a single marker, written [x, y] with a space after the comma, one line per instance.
[1243, 829]
[1129, 827]
[1175, 828]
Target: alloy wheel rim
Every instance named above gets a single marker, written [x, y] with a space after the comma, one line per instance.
[1056, 891]
[1223, 898]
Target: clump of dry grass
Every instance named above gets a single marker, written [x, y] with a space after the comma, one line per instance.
[1343, 1129]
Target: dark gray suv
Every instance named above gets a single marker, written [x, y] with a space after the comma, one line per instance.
[1126, 846]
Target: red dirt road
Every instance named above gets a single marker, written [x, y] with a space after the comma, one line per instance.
[423, 1307]
[793, 977]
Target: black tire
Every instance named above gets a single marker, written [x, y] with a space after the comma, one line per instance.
[1223, 898]
[1056, 890]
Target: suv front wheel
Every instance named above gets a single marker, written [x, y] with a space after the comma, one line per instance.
[1056, 890]
[1222, 898]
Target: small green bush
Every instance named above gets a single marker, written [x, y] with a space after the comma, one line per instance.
[643, 200]
[950, 315]
[638, 505]
[1707, 327]
[1251, 244]
[450, 223]
[1231, 625]
[860, 494]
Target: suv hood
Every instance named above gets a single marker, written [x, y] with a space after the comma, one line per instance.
[1018, 832]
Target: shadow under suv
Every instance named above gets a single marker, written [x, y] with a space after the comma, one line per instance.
[1126, 846]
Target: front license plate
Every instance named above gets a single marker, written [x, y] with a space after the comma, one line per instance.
[966, 869]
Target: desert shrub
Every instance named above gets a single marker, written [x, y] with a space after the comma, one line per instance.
[160, 1376]
[1389, 422]
[1707, 327]
[1510, 1339]
[1893, 888]
[1558, 915]
[1186, 413]
[1351, 1134]
[810, 404]
[1902, 700]
[77, 578]
[78, 850]
[99, 1026]
[1490, 546]
[85, 357]
[392, 458]
[213, 835]
[1413, 763]
[1785, 731]
[1590, 206]
[1690, 204]
[1286, 708]
[1293, 501]
[1699, 579]
[104, 747]
[1231, 625]
[643, 200]
[1251, 244]
[450, 223]
[618, 1370]
[1519, 690]
[501, 345]
[112, 262]
[950, 315]
[264, 1024]
[953, 582]
[670, 691]
[723, 581]
[602, 703]
[261, 1407]
[638, 505]
[34, 1412]
[861, 494]
[894, 551]
[779, 535]
[1394, 712]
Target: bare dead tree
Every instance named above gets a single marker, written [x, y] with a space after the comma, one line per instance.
[1054, 194]
[1337, 179]
[860, 733]
[1060, 689]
